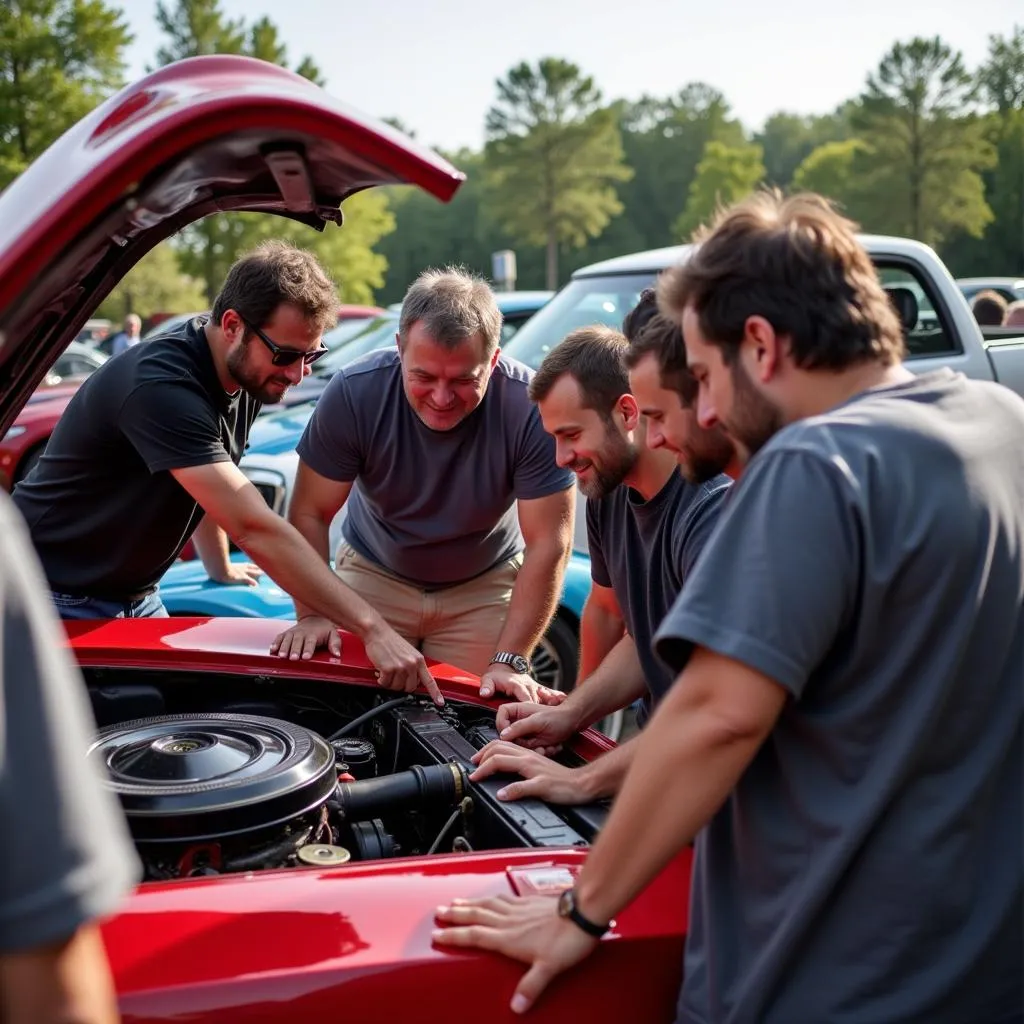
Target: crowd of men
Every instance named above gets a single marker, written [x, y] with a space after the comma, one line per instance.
[808, 569]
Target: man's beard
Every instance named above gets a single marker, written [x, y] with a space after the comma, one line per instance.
[708, 457]
[264, 389]
[754, 420]
[617, 459]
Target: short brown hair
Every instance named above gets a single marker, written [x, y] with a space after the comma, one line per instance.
[663, 339]
[595, 357]
[989, 308]
[796, 262]
[272, 274]
[453, 304]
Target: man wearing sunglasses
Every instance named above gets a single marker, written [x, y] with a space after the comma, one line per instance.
[147, 453]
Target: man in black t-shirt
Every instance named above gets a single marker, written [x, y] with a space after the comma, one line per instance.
[148, 449]
[647, 524]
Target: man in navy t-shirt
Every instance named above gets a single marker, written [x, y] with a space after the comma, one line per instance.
[459, 521]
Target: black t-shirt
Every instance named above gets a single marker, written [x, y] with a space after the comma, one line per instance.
[65, 854]
[644, 550]
[106, 515]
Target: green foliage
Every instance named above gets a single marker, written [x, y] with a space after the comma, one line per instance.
[155, 284]
[552, 157]
[831, 170]
[724, 175]
[58, 60]
[926, 146]
[788, 139]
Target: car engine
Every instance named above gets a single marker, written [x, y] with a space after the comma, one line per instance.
[291, 774]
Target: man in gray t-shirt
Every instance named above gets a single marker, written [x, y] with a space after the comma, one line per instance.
[845, 735]
[447, 476]
[65, 855]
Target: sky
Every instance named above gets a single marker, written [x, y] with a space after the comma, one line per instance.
[433, 63]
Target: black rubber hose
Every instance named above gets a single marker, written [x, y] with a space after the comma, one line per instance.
[366, 716]
[433, 785]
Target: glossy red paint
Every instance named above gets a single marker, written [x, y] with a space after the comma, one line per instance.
[32, 429]
[241, 646]
[353, 942]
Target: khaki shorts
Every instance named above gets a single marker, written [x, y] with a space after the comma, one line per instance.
[458, 625]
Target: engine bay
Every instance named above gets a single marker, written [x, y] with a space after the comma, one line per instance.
[220, 774]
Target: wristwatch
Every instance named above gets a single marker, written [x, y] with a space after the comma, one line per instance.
[513, 660]
[567, 908]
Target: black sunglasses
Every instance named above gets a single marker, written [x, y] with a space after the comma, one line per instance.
[281, 355]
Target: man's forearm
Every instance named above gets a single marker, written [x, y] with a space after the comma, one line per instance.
[316, 533]
[604, 775]
[617, 682]
[600, 631]
[685, 764]
[280, 550]
[68, 981]
[534, 597]
[212, 547]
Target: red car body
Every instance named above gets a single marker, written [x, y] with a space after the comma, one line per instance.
[292, 943]
[348, 311]
[31, 430]
[353, 942]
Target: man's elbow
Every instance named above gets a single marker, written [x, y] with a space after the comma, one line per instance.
[252, 527]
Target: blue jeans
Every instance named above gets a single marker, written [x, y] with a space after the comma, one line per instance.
[71, 607]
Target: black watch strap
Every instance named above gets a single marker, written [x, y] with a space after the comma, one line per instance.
[567, 908]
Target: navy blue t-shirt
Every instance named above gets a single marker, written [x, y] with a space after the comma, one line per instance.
[433, 507]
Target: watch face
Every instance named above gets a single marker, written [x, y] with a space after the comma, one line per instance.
[520, 664]
[565, 903]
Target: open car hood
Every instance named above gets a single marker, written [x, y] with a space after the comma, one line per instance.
[201, 136]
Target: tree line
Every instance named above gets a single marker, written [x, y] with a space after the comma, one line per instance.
[929, 148]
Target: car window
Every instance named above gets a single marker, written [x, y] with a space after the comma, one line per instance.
[584, 301]
[924, 326]
[376, 333]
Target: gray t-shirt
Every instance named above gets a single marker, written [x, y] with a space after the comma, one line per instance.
[65, 855]
[644, 550]
[868, 865]
[433, 507]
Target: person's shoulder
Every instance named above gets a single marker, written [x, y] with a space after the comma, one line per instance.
[694, 501]
[518, 375]
[381, 362]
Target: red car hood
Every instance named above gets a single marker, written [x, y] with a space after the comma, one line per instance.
[199, 136]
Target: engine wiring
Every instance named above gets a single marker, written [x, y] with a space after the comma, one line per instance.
[351, 727]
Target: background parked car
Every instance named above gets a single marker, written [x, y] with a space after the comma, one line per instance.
[26, 438]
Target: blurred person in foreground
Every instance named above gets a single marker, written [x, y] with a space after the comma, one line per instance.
[844, 740]
[64, 849]
[650, 511]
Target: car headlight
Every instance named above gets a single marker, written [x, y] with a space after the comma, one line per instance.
[14, 432]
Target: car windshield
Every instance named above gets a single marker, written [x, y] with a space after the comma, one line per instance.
[376, 333]
[584, 301]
